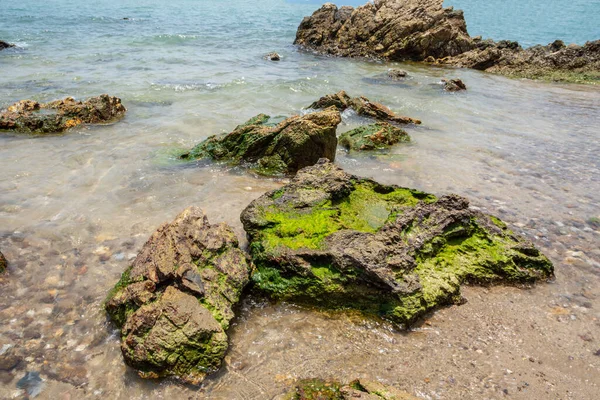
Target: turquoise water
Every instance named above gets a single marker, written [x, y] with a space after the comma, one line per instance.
[532, 22]
[75, 208]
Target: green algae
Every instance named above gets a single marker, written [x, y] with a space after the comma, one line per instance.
[380, 135]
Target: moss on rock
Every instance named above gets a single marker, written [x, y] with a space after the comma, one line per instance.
[334, 240]
[320, 389]
[372, 137]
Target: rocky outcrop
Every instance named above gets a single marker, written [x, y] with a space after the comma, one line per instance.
[3, 263]
[5, 45]
[334, 240]
[57, 116]
[313, 389]
[295, 143]
[392, 29]
[555, 61]
[363, 107]
[372, 137]
[175, 302]
[422, 30]
[453, 85]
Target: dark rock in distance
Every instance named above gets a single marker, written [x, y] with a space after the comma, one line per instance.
[453, 85]
[363, 107]
[312, 389]
[333, 240]
[380, 135]
[5, 45]
[397, 74]
[272, 57]
[295, 143]
[57, 116]
[176, 301]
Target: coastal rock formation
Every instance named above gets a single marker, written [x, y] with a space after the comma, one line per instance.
[60, 115]
[334, 240]
[422, 30]
[3, 263]
[453, 85]
[363, 107]
[175, 302]
[371, 137]
[295, 143]
[272, 57]
[5, 45]
[391, 29]
[313, 389]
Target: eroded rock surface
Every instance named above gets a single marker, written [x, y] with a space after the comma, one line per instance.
[380, 135]
[295, 143]
[363, 107]
[320, 389]
[422, 30]
[57, 116]
[175, 302]
[334, 240]
[3, 263]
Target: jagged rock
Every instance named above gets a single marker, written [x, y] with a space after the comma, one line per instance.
[375, 136]
[313, 389]
[363, 107]
[422, 30]
[295, 143]
[3, 263]
[453, 85]
[334, 240]
[391, 29]
[272, 57]
[397, 74]
[60, 115]
[5, 45]
[175, 302]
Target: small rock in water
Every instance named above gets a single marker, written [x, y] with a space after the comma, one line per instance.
[272, 57]
[32, 383]
[453, 85]
[397, 74]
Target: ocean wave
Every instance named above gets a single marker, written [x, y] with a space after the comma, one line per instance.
[195, 86]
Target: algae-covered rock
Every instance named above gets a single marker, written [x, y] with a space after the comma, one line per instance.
[371, 137]
[3, 263]
[295, 143]
[363, 107]
[175, 302]
[57, 116]
[320, 389]
[334, 240]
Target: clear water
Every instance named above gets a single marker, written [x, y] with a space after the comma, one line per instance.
[532, 22]
[75, 208]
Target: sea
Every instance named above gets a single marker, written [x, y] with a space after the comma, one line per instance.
[76, 207]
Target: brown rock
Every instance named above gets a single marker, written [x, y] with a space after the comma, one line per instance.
[453, 85]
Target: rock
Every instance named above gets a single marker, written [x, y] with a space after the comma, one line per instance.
[422, 30]
[295, 143]
[363, 107]
[397, 74]
[391, 29]
[60, 115]
[3, 263]
[380, 135]
[312, 389]
[32, 383]
[453, 85]
[272, 57]
[9, 358]
[73, 375]
[337, 241]
[5, 45]
[176, 301]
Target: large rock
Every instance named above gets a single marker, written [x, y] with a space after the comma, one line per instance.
[5, 45]
[334, 240]
[319, 389]
[373, 137]
[393, 29]
[175, 302]
[362, 106]
[3, 263]
[60, 115]
[295, 143]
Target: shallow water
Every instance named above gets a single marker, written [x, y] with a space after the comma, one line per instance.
[75, 208]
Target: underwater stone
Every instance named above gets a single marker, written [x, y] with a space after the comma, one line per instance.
[333, 240]
[371, 137]
[453, 85]
[320, 389]
[283, 148]
[3, 263]
[174, 304]
[57, 116]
